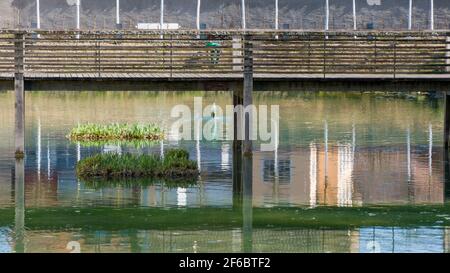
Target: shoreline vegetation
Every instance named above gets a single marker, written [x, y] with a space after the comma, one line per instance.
[115, 132]
[175, 165]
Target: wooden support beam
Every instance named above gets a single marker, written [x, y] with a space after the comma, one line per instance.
[19, 89]
[248, 93]
[237, 148]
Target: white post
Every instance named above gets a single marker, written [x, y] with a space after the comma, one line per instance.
[354, 15]
[327, 14]
[78, 14]
[117, 12]
[39, 149]
[432, 14]
[162, 14]
[410, 15]
[199, 4]
[244, 26]
[430, 149]
[38, 14]
[276, 14]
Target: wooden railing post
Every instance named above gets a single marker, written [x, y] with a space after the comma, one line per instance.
[98, 55]
[19, 90]
[324, 55]
[248, 93]
[236, 44]
[447, 54]
[171, 56]
[395, 56]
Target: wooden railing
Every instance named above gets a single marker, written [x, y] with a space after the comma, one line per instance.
[222, 52]
[352, 53]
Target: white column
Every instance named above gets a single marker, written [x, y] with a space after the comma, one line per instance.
[38, 14]
[313, 175]
[162, 14]
[326, 148]
[354, 137]
[354, 15]
[197, 146]
[410, 15]
[408, 153]
[244, 25]
[117, 12]
[327, 14]
[181, 197]
[78, 151]
[78, 14]
[161, 153]
[432, 14]
[276, 14]
[48, 159]
[430, 149]
[39, 149]
[199, 4]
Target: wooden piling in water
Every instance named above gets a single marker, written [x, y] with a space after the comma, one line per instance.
[446, 120]
[446, 145]
[19, 89]
[248, 93]
[237, 147]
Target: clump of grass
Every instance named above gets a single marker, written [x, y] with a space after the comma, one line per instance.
[115, 131]
[131, 143]
[101, 183]
[175, 165]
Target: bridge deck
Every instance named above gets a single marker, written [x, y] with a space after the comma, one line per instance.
[216, 76]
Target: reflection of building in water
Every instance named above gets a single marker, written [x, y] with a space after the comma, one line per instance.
[401, 240]
[40, 190]
[368, 239]
[340, 176]
[6, 186]
[202, 241]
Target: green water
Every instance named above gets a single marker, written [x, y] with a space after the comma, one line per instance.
[351, 173]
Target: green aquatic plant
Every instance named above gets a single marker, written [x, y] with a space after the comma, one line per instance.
[101, 183]
[175, 165]
[115, 132]
[138, 143]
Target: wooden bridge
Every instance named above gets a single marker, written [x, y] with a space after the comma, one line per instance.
[222, 60]
[302, 59]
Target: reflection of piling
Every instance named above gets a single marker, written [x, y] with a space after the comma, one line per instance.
[446, 120]
[237, 173]
[446, 176]
[19, 197]
[247, 204]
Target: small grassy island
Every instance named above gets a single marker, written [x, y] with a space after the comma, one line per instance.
[115, 132]
[174, 165]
